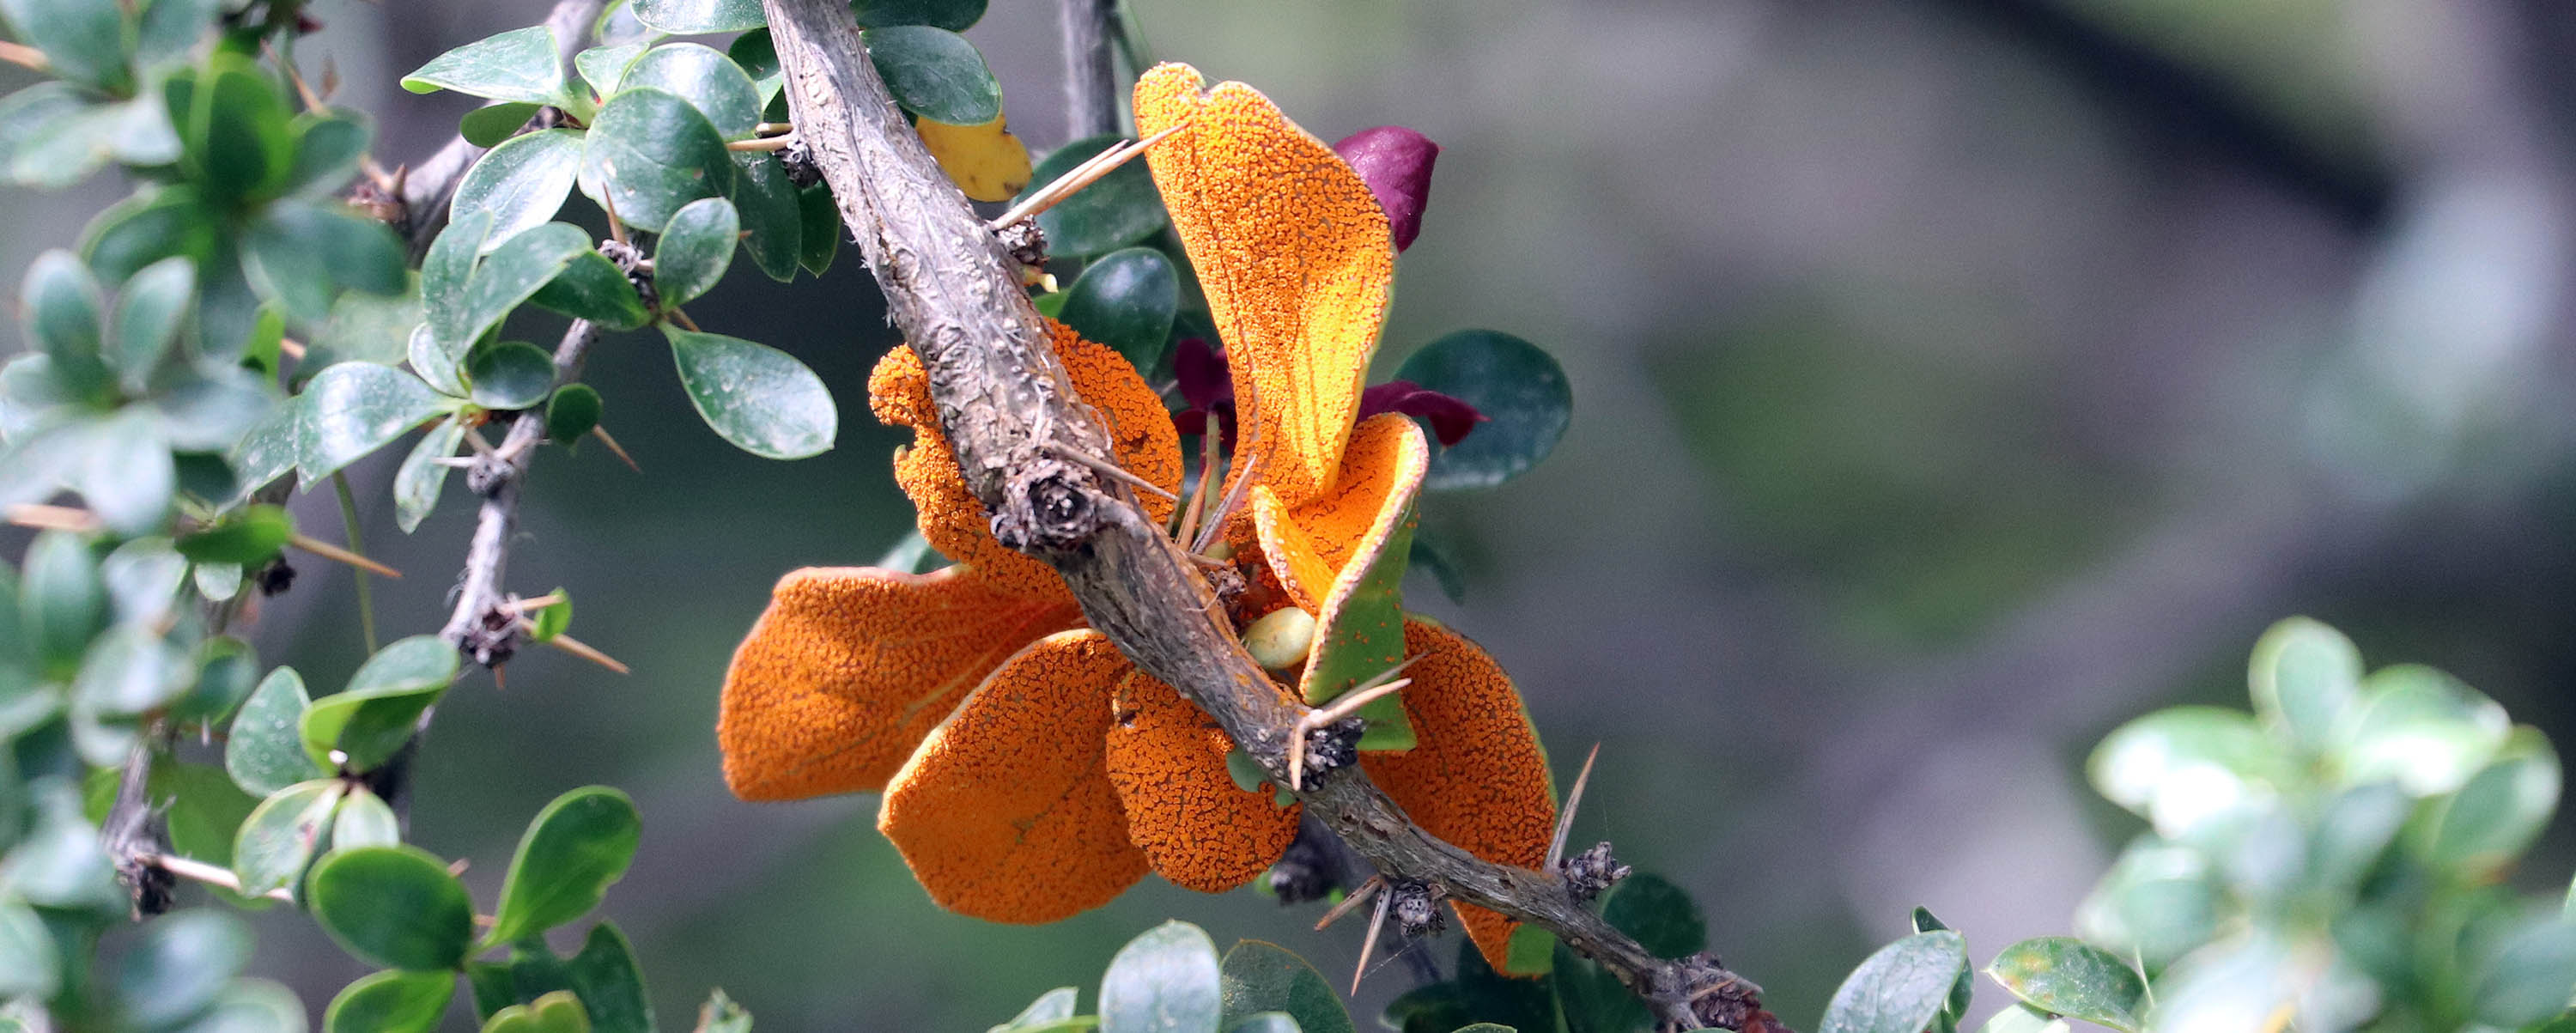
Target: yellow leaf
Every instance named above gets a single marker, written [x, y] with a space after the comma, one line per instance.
[986, 161]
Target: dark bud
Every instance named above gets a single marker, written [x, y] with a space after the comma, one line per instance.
[1588, 873]
[1025, 241]
[276, 577]
[1396, 163]
[154, 887]
[1721, 999]
[1333, 747]
[1451, 418]
[1055, 512]
[494, 637]
[1304, 872]
[799, 161]
[1416, 908]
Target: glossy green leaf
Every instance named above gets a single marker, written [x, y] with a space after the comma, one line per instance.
[1051, 1007]
[1900, 988]
[757, 55]
[2525, 977]
[264, 752]
[2181, 766]
[935, 73]
[690, 17]
[650, 152]
[556, 1012]
[82, 39]
[61, 601]
[250, 537]
[238, 139]
[593, 288]
[150, 310]
[514, 272]
[610, 985]
[520, 65]
[355, 408]
[552, 619]
[418, 480]
[604, 67]
[2066, 976]
[820, 240]
[251, 1006]
[759, 398]
[1516, 385]
[364, 820]
[142, 578]
[148, 227]
[1126, 300]
[695, 250]
[128, 476]
[571, 413]
[1120, 209]
[1660, 916]
[180, 965]
[1265, 1022]
[363, 328]
[207, 409]
[704, 77]
[28, 965]
[368, 722]
[393, 906]
[302, 254]
[445, 273]
[767, 203]
[329, 147]
[170, 28]
[227, 670]
[575, 849]
[63, 312]
[65, 147]
[2304, 675]
[59, 863]
[2022, 1018]
[279, 838]
[952, 15]
[492, 124]
[509, 374]
[1363, 639]
[523, 182]
[2481, 829]
[131, 670]
[1165, 981]
[2422, 728]
[1257, 977]
[391, 1001]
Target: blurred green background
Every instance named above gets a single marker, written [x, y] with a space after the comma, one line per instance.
[1954, 380]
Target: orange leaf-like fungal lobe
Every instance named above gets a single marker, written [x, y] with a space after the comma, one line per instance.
[1006, 812]
[953, 520]
[1477, 777]
[1167, 758]
[849, 668]
[1295, 257]
[1315, 547]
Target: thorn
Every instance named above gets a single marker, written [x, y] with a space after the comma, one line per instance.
[1316, 720]
[24, 56]
[1189, 525]
[616, 226]
[575, 647]
[1565, 820]
[766, 143]
[1376, 922]
[1234, 497]
[455, 462]
[614, 448]
[293, 348]
[1080, 176]
[53, 518]
[1358, 897]
[683, 319]
[312, 100]
[458, 866]
[1110, 470]
[329, 551]
[769, 128]
[500, 681]
[523, 606]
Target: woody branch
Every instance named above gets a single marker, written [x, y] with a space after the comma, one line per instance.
[1007, 407]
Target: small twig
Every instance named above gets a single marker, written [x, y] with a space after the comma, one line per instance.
[1565, 819]
[349, 527]
[199, 871]
[1080, 176]
[1376, 922]
[765, 143]
[1110, 470]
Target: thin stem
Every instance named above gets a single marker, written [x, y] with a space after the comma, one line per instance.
[349, 526]
[199, 871]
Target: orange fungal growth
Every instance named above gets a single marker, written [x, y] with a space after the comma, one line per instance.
[1311, 546]
[1167, 758]
[1295, 257]
[1001, 814]
[1478, 777]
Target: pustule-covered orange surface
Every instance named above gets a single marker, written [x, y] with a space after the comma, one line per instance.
[1167, 758]
[850, 667]
[1295, 258]
[1478, 777]
[1006, 812]
[1310, 546]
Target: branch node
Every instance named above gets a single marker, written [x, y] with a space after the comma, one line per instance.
[1589, 873]
[1049, 507]
[1024, 240]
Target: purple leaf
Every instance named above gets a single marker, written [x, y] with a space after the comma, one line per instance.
[1396, 163]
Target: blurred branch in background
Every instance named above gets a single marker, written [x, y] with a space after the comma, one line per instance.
[1090, 67]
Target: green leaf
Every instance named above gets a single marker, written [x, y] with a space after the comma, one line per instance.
[571, 413]
[82, 40]
[1263, 1022]
[2181, 766]
[1120, 209]
[650, 152]
[952, 15]
[575, 849]
[2304, 676]
[1260, 977]
[2066, 976]
[2422, 728]
[171, 28]
[522, 182]
[610, 985]
[1165, 981]
[239, 140]
[207, 409]
[514, 272]
[355, 408]
[393, 906]
[1517, 386]
[2022, 1018]
[264, 753]
[2481, 829]
[445, 273]
[767, 203]
[148, 227]
[251, 1006]
[604, 67]
[2525, 977]
[59, 863]
[180, 965]
[131, 670]
[690, 17]
[302, 254]
[149, 312]
[142, 578]
[391, 1001]
[695, 249]
[759, 398]
[553, 619]
[491, 124]
[1361, 636]
[62, 310]
[704, 77]
[821, 238]
[593, 288]
[1051, 1007]
[364, 328]
[1126, 300]
[364, 820]
[1900, 988]
[557, 1012]
[418, 480]
[371, 720]
[517, 65]
[250, 537]
[60, 600]
[757, 55]
[1659, 915]
[935, 73]
[329, 147]
[509, 374]
[227, 672]
[278, 839]
[128, 476]
[28, 966]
